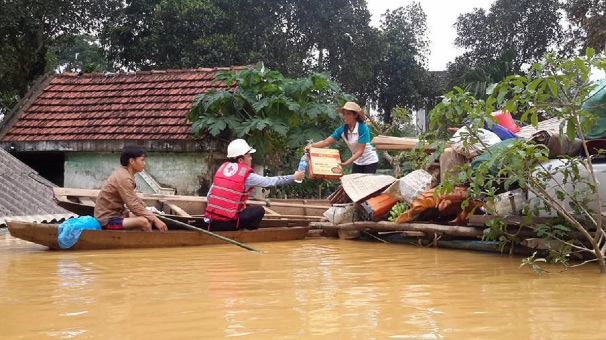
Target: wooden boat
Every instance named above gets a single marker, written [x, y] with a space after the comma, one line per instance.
[46, 235]
[190, 209]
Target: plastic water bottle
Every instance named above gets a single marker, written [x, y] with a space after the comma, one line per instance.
[302, 165]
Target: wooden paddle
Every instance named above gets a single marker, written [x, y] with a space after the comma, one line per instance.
[191, 227]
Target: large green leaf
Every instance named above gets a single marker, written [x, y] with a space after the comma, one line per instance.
[259, 105]
[280, 127]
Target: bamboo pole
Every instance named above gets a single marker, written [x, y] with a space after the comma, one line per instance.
[390, 226]
[429, 228]
[191, 227]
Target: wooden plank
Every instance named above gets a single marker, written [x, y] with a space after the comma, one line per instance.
[300, 217]
[299, 205]
[76, 208]
[177, 210]
[390, 226]
[480, 220]
[305, 207]
[389, 143]
[296, 217]
[348, 234]
[271, 212]
[413, 234]
[87, 201]
[61, 198]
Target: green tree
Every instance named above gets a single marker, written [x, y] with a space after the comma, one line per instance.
[78, 54]
[162, 34]
[478, 80]
[587, 19]
[558, 87]
[28, 29]
[528, 28]
[275, 114]
[341, 41]
[402, 78]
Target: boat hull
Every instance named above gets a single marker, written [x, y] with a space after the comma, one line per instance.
[46, 235]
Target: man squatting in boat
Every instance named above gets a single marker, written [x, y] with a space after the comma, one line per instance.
[226, 200]
[119, 190]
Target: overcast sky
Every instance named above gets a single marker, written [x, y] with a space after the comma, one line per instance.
[441, 16]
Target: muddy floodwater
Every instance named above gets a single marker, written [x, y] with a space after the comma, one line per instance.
[310, 289]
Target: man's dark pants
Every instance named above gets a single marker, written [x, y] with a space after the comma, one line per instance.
[250, 218]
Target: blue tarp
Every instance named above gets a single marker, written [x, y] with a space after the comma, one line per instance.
[500, 131]
[70, 230]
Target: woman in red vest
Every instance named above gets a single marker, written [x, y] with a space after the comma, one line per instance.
[226, 200]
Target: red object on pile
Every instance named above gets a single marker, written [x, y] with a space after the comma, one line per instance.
[378, 206]
[505, 120]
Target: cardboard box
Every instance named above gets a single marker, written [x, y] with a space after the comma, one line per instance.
[324, 164]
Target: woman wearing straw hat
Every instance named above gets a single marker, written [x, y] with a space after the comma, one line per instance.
[356, 135]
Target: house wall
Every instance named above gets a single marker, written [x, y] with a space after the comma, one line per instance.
[188, 173]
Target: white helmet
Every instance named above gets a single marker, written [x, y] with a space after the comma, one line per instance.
[239, 147]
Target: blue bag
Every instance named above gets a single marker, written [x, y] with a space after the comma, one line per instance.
[70, 230]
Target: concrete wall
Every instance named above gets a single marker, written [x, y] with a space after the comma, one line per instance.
[188, 173]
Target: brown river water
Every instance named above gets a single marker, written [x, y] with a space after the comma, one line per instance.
[311, 289]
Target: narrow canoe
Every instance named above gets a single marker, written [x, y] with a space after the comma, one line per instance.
[46, 235]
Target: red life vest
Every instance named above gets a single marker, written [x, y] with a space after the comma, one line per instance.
[228, 196]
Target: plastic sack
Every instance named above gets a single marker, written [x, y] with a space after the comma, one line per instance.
[555, 183]
[340, 213]
[70, 230]
[557, 144]
[508, 203]
[488, 139]
[414, 185]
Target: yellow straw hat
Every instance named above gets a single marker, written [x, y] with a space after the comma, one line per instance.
[351, 106]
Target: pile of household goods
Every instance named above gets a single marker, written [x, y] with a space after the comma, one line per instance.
[382, 206]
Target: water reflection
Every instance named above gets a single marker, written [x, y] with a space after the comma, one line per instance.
[308, 289]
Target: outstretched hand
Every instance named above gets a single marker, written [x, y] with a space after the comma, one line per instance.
[299, 175]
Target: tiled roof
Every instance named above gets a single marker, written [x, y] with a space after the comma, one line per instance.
[145, 105]
[23, 192]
